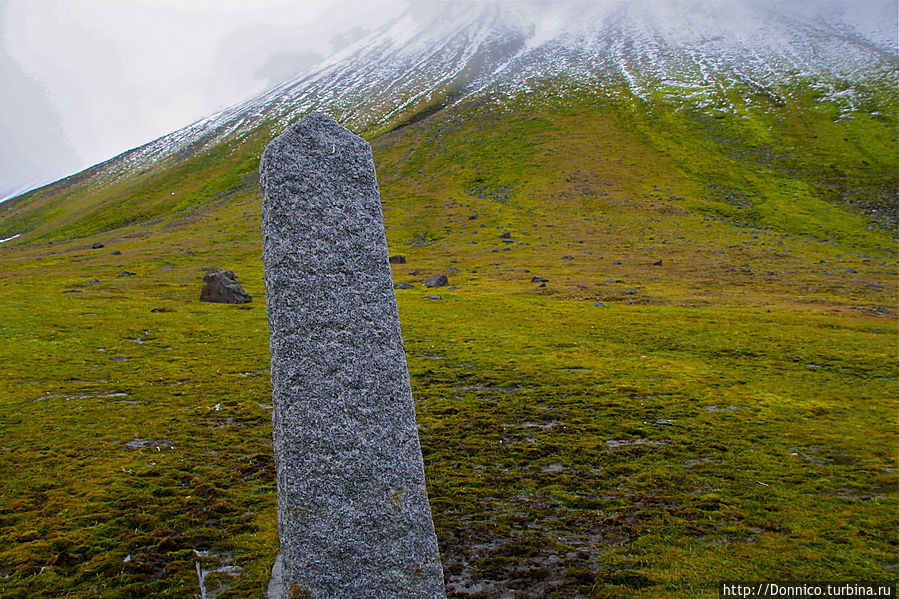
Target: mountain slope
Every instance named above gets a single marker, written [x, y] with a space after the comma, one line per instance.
[666, 356]
[771, 70]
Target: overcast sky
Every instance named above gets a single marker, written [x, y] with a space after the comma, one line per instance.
[84, 80]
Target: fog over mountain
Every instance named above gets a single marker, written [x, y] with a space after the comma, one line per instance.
[85, 80]
[695, 53]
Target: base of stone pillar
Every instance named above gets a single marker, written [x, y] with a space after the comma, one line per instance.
[277, 587]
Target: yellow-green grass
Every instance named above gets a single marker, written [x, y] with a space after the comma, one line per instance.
[727, 414]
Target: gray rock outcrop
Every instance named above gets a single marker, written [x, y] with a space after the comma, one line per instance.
[436, 281]
[221, 287]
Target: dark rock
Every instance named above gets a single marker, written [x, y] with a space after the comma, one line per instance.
[599, 305]
[72, 291]
[851, 271]
[631, 292]
[875, 286]
[880, 310]
[397, 259]
[539, 280]
[436, 281]
[403, 286]
[96, 245]
[657, 263]
[616, 262]
[125, 273]
[221, 287]
[158, 310]
[94, 282]
[542, 285]
[451, 288]
[506, 235]
[116, 253]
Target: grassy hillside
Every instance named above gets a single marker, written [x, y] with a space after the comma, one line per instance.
[704, 390]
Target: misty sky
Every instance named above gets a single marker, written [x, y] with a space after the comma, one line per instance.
[84, 80]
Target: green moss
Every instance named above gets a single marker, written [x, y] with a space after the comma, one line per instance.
[728, 414]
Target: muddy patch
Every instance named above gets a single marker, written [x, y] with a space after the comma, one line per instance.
[521, 565]
[822, 455]
[159, 444]
[613, 444]
[91, 395]
[699, 461]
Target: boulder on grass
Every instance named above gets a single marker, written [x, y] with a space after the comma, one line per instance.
[222, 287]
[436, 281]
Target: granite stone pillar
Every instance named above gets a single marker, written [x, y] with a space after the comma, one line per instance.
[353, 513]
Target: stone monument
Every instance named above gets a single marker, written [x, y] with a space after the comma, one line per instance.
[353, 513]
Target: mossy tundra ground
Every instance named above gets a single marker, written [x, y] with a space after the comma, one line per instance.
[705, 389]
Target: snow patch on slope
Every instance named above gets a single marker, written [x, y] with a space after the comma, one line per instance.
[693, 53]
